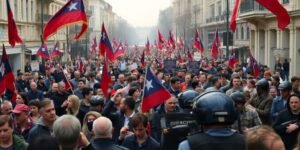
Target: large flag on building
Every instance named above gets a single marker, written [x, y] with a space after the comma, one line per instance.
[13, 36]
[198, 42]
[72, 12]
[43, 51]
[154, 92]
[56, 51]
[105, 79]
[253, 65]
[272, 5]
[105, 45]
[7, 78]
[216, 44]
[171, 40]
[160, 41]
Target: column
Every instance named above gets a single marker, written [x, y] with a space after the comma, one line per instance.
[256, 49]
[267, 47]
[278, 43]
[293, 52]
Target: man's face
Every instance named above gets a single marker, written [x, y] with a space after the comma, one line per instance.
[48, 113]
[176, 85]
[202, 78]
[284, 93]
[33, 86]
[170, 104]
[294, 104]
[187, 78]
[77, 74]
[6, 109]
[80, 85]
[236, 83]
[90, 95]
[272, 92]
[122, 106]
[54, 87]
[5, 133]
[140, 131]
[21, 117]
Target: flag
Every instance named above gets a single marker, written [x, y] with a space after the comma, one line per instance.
[72, 12]
[180, 42]
[120, 51]
[190, 57]
[253, 65]
[154, 92]
[66, 81]
[160, 42]
[13, 36]
[232, 60]
[105, 45]
[215, 45]
[171, 40]
[147, 46]
[105, 79]
[277, 9]
[79, 65]
[179, 58]
[115, 43]
[234, 15]
[198, 42]
[43, 51]
[143, 59]
[56, 51]
[7, 78]
[94, 46]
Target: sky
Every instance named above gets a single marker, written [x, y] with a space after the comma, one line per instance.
[139, 13]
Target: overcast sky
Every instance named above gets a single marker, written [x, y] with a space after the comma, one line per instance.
[139, 13]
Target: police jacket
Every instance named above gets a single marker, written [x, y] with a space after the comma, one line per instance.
[106, 144]
[263, 106]
[130, 142]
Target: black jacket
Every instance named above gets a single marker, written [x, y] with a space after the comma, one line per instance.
[105, 143]
[130, 142]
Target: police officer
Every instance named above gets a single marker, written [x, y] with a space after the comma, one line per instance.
[262, 101]
[97, 104]
[186, 99]
[215, 112]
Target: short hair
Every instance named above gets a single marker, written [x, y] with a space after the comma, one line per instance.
[256, 138]
[6, 119]
[130, 102]
[35, 103]
[66, 130]
[45, 103]
[100, 131]
[132, 90]
[174, 80]
[81, 80]
[295, 78]
[24, 97]
[138, 119]
[86, 91]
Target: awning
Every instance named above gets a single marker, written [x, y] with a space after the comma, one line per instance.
[11, 51]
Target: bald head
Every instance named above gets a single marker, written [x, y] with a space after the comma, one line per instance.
[102, 128]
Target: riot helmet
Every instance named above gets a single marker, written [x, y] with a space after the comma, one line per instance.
[262, 84]
[186, 98]
[285, 86]
[238, 97]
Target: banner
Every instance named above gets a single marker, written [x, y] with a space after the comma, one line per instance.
[194, 67]
[170, 66]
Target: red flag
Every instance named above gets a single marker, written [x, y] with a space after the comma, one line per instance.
[147, 46]
[66, 81]
[234, 15]
[56, 51]
[154, 92]
[171, 40]
[232, 60]
[7, 78]
[120, 51]
[105, 79]
[43, 51]
[181, 42]
[72, 12]
[253, 65]
[105, 45]
[160, 42]
[143, 59]
[13, 36]
[215, 45]
[190, 57]
[277, 9]
[79, 65]
[198, 42]
[94, 46]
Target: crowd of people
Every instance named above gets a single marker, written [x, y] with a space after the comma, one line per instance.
[232, 108]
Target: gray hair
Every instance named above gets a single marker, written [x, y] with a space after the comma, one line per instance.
[102, 127]
[66, 130]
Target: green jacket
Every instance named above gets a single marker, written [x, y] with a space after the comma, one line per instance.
[19, 143]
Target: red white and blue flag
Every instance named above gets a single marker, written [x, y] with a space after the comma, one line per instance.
[198, 42]
[216, 44]
[120, 51]
[105, 79]
[154, 92]
[79, 65]
[253, 65]
[105, 45]
[56, 51]
[232, 60]
[43, 51]
[72, 12]
[13, 36]
[7, 78]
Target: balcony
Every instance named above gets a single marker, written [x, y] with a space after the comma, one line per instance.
[251, 10]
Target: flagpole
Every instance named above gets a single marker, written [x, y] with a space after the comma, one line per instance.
[66, 79]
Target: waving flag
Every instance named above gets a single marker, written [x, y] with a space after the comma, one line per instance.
[43, 51]
[143, 59]
[190, 56]
[56, 51]
[7, 78]
[79, 65]
[72, 12]
[105, 45]
[198, 42]
[171, 40]
[147, 46]
[13, 36]
[253, 65]
[234, 15]
[66, 81]
[105, 79]
[94, 46]
[181, 42]
[215, 45]
[115, 43]
[160, 41]
[232, 60]
[120, 51]
[154, 92]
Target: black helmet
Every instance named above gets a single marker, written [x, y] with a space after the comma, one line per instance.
[96, 101]
[238, 97]
[186, 98]
[214, 107]
[285, 86]
[262, 84]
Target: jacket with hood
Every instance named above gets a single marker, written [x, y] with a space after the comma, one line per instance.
[283, 120]
[39, 129]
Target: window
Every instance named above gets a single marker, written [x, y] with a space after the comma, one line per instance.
[285, 1]
[219, 8]
[237, 33]
[248, 33]
[242, 33]
[212, 11]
